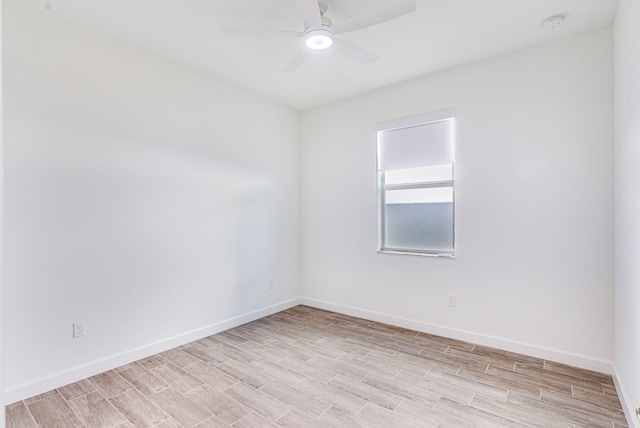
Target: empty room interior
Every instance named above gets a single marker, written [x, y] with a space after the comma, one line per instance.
[177, 184]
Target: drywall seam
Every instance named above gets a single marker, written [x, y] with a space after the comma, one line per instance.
[55, 380]
[576, 360]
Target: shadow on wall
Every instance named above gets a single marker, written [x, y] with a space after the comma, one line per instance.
[120, 234]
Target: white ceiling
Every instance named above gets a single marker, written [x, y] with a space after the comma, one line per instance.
[439, 35]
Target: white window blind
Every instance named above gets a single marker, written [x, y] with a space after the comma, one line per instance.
[416, 146]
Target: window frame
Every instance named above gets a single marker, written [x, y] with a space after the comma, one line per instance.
[382, 187]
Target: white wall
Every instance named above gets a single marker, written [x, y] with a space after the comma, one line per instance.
[149, 201]
[627, 203]
[534, 217]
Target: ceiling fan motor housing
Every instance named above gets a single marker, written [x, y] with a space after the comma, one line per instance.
[318, 38]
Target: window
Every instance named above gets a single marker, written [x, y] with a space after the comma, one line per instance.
[416, 185]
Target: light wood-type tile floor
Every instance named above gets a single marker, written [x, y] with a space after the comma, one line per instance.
[309, 368]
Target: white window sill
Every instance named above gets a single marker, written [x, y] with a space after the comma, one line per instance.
[410, 253]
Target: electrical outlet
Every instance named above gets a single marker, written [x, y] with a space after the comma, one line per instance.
[271, 284]
[452, 300]
[78, 329]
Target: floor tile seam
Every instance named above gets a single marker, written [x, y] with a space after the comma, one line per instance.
[610, 385]
[236, 401]
[480, 358]
[615, 412]
[166, 386]
[317, 418]
[202, 383]
[176, 422]
[436, 403]
[66, 402]
[117, 374]
[301, 380]
[402, 400]
[396, 375]
[50, 392]
[211, 347]
[501, 415]
[421, 420]
[587, 387]
[494, 388]
[579, 372]
[479, 395]
[314, 396]
[260, 389]
[189, 365]
[506, 396]
[329, 405]
[616, 409]
[183, 396]
[566, 413]
[79, 396]
[363, 398]
[403, 418]
[104, 398]
[367, 402]
[244, 417]
[114, 408]
[33, 418]
[146, 397]
[570, 377]
[427, 344]
[395, 395]
[495, 382]
[533, 381]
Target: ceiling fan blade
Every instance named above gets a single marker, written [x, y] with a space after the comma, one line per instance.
[260, 33]
[311, 12]
[297, 60]
[375, 16]
[354, 52]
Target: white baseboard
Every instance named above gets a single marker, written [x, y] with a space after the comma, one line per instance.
[629, 410]
[92, 368]
[74, 374]
[549, 354]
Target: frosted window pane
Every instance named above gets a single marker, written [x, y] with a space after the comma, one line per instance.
[419, 196]
[421, 227]
[416, 146]
[419, 175]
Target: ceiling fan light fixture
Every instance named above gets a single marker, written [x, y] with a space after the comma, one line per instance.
[319, 39]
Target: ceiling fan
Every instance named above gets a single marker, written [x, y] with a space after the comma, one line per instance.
[320, 31]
